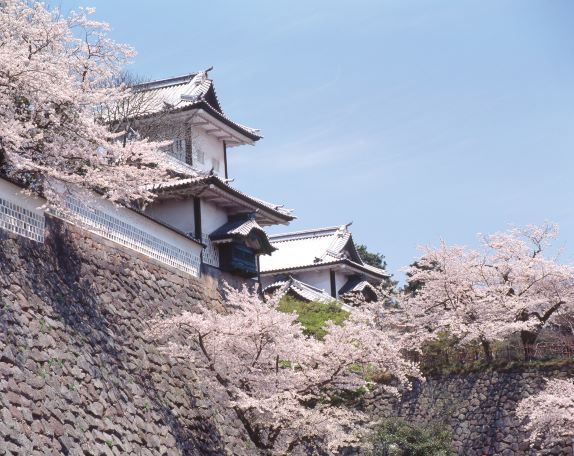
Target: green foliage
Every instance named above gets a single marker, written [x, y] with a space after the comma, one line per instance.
[377, 260]
[373, 259]
[442, 354]
[395, 437]
[313, 315]
[414, 286]
[445, 355]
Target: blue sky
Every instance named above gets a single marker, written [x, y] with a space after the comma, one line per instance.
[416, 119]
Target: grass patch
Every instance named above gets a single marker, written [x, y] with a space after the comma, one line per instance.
[313, 315]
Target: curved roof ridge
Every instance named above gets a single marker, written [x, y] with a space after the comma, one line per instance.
[326, 231]
[157, 83]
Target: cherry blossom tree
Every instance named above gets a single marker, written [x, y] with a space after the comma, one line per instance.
[550, 413]
[52, 73]
[508, 286]
[283, 385]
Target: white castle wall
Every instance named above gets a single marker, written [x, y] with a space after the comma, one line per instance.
[212, 217]
[178, 214]
[25, 215]
[207, 152]
[137, 232]
[320, 278]
[20, 213]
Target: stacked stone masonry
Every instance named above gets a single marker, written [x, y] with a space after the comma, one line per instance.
[77, 374]
[479, 408]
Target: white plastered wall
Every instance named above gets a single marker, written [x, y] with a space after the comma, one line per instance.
[14, 194]
[178, 214]
[21, 213]
[320, 278]
[149, 226]
[137, 232]
[210, 148]
[341, 279]
[212, 217]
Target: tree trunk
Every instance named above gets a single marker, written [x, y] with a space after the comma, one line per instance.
[486, 347]
[528, 339]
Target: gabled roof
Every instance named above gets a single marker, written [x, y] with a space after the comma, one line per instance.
[300, 289]
[194, 91]
[214, 189]
[246, 231]
[312, 249]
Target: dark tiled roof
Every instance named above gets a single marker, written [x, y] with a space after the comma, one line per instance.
[243, 230]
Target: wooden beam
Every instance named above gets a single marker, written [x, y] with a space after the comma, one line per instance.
[197, 217]
[333, 283]
[225, 158]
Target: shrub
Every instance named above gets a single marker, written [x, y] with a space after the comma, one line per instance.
[395, 437]
[313, 315]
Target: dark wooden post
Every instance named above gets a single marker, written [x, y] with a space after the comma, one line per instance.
[333, 283]
[197, 217]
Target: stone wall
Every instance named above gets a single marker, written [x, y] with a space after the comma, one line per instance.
[77, 376]
[479, 407]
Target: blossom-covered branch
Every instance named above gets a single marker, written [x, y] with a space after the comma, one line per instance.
[549, 414]
[52, 73]
[508, 286]
[283, 384]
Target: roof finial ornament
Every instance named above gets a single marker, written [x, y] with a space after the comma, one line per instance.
[343, 229]
[202, 76]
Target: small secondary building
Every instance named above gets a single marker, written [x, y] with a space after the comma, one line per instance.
[319, 265]
[186, 111]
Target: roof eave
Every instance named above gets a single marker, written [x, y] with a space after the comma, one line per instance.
[327, 265]
[201, 105]
[215, 113]
[273, 215]
[266, 247]
[283, 218]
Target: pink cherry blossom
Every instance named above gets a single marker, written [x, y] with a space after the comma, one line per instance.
[281, 383]
[52, 76]
[549, 414]
[510, 285]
